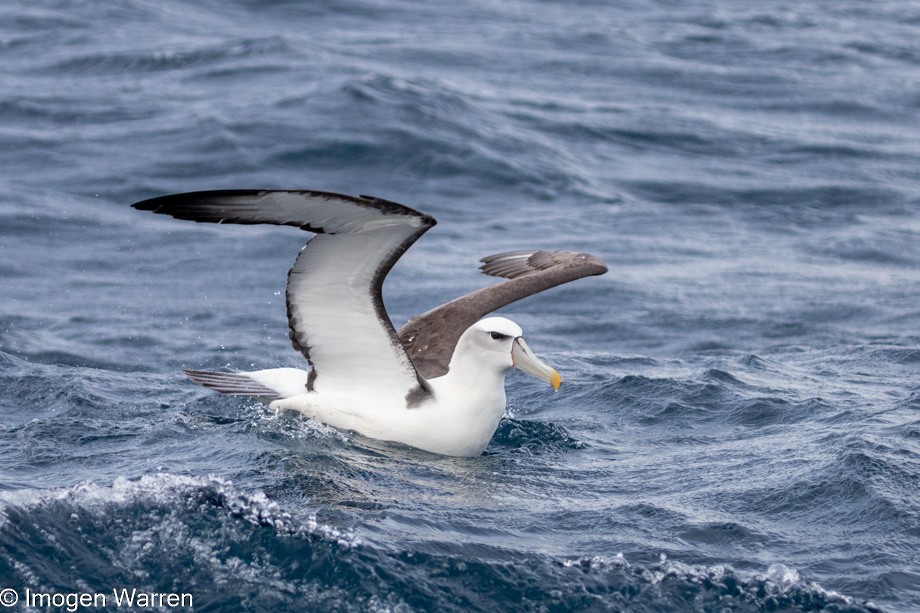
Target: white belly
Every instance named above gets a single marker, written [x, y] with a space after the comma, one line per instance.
[455, 422]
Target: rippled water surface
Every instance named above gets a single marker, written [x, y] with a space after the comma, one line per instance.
[739, 422]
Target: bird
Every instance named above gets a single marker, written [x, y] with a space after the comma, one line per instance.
[437, 384]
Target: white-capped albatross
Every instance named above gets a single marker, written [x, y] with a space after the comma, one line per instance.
[439, 383]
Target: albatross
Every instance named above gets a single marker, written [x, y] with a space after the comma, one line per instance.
[438, 384]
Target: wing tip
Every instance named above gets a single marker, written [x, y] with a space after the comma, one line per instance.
[513, 264]
[229, 383]
[187, 205]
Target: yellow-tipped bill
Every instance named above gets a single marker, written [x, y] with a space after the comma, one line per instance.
[524, 359]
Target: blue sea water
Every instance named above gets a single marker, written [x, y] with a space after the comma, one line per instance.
[739, 422]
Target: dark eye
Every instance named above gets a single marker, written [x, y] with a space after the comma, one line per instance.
[498, 336]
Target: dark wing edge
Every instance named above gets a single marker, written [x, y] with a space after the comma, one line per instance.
[430, 338]
[238, 206]
[293, 208]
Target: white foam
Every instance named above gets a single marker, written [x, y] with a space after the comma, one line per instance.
[174, 491]
[782, 574]
[779, 578]
[297, 428]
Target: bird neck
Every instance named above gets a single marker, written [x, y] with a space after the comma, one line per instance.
[470, 375]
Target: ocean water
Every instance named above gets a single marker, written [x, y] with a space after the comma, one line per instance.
[739, 422]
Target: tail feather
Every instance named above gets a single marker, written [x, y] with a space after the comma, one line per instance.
[231, 383]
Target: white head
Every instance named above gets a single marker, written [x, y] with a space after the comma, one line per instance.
[497, 344]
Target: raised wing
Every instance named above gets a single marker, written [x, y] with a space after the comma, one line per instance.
[334, 291]
[430, 338]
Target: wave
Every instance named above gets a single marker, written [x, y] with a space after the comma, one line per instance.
[238, 550]
[533, 437]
